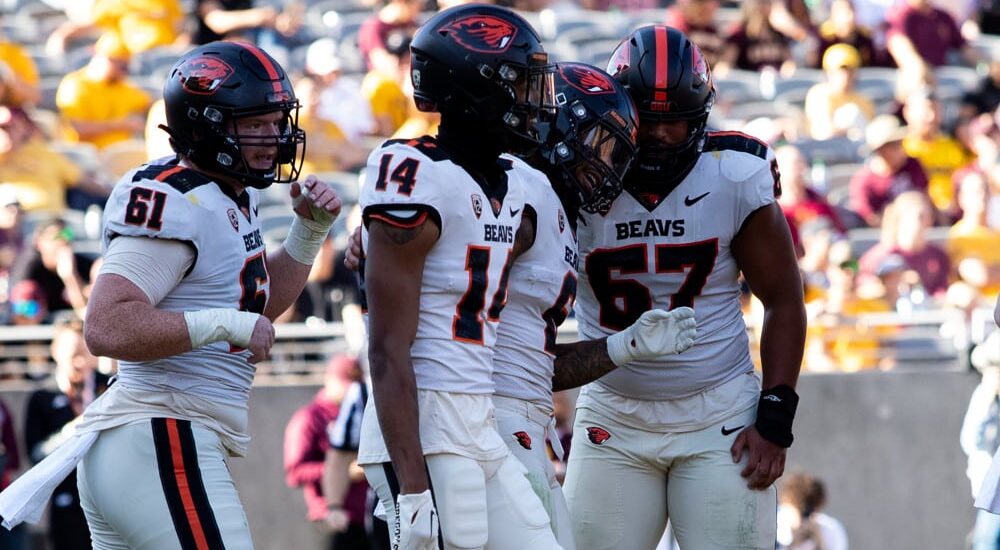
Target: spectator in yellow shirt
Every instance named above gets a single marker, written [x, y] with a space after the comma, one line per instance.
[40, 175]
[974, 246]
[939, 154]
[18, 75]
[98, 100]
[328, 150]
[835, 107]
[140, 24]
[383, 85]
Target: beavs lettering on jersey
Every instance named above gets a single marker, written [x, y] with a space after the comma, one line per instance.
[572, 257]
[649, 228]
[498, 233]
[253, 240]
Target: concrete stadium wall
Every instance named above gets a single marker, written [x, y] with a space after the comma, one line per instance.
[885, 443]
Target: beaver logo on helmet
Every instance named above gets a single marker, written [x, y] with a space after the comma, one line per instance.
[482, 33]
[586, 80]
[203, 74]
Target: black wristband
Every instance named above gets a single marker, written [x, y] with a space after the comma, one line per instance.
[775, 413]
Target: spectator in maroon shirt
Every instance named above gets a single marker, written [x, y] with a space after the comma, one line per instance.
[842, 28]
[306, 438]
[904, 238]
[755, 42]
[799, 202]
[396, 15]
[696, 18]
[888, 173]
[920, 33]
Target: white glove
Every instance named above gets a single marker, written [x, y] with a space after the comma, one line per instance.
[418, 522]
[655, 333]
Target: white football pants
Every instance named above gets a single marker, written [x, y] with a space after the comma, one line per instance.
[622, 484]
[161, 484]
[480, 505]
[525, 427]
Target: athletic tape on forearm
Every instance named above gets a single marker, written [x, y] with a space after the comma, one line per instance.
[305, 237]
[775, 413]
[220, 325]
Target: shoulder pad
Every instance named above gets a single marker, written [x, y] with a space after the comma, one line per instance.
[740, 155]
[178, 177]
[425, 144]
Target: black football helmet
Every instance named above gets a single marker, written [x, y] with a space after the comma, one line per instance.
[485, 64]
[592, 142]
[669, 79]
[215, 84]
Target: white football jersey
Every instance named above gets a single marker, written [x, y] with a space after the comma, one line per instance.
[540, 296]
[164, 200]
[464, 285]
[672, 254]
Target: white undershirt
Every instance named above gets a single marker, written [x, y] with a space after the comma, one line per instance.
[156, 266]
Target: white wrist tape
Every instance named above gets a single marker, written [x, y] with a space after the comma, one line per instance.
[220, 325]
[305, 237]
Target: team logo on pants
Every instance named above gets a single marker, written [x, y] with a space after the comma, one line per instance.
[523, 439]
[597, 436]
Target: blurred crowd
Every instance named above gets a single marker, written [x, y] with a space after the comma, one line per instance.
[883, 115]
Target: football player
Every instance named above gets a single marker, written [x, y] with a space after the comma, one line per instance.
[185, 301]
[690, 436]
[587, 151]
[442, 218]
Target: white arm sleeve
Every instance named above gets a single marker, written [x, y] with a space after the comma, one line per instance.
[156, 266]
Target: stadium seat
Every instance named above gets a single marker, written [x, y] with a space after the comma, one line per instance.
[48, 86]
[961, 78]
[839, 175]
[839, 150]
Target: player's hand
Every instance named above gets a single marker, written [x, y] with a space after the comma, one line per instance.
[766, 461]
[654, 334]
[316, 201]
[355, 251]
[337, 520]
[418, 522]
[261, 341]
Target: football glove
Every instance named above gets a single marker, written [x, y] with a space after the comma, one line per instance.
[655, 333]
[418, 522]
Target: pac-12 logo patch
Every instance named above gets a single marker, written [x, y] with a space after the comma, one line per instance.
[203, 75]
[477, 205]
[562, 221]
[233, 219]
[523, 439]
[587, 80]
[597, 436]
[482, 33]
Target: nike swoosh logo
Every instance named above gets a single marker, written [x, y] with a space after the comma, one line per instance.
[688, 201]
[514, 212]
[724, 430]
